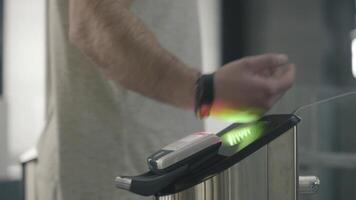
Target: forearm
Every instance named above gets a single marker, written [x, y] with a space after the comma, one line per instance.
[129, 53]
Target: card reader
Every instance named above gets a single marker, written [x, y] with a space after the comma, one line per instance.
[198, 157]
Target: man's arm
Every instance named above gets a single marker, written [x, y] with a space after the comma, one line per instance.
[130, 55]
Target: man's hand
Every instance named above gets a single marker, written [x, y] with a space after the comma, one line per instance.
[246, 88]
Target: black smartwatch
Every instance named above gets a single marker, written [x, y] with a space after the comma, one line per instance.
[204, 95]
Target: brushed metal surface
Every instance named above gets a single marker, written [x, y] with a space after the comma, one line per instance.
[268, 174]
[308, 184]
[282, 170]
[247, 180]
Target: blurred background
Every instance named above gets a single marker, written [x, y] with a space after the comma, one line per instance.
[23, 52]
[317, 35]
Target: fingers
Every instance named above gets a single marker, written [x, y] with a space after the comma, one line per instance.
[265, 61]
[275, 70]
[274, 87]
[283, 80]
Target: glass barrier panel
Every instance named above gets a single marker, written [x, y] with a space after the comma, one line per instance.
[327, 146]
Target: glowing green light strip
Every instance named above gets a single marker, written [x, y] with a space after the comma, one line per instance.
[238, 136]
[242, 115]
[243, 136]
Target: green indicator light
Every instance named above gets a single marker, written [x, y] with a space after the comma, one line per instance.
[243, 136]
[241, 115]
[236, 137]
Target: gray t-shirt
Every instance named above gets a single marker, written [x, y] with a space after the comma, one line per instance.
[96, 130]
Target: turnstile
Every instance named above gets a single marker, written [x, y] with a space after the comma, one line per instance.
[269, 174]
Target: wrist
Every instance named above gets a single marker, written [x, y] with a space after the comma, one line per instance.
[204, 95]
[191, 84]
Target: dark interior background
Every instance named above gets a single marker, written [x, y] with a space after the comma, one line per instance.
[316, 36]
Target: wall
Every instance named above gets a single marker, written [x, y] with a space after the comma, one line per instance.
[210, 24]
[24, 65]
[315, 34]
[3, 140]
